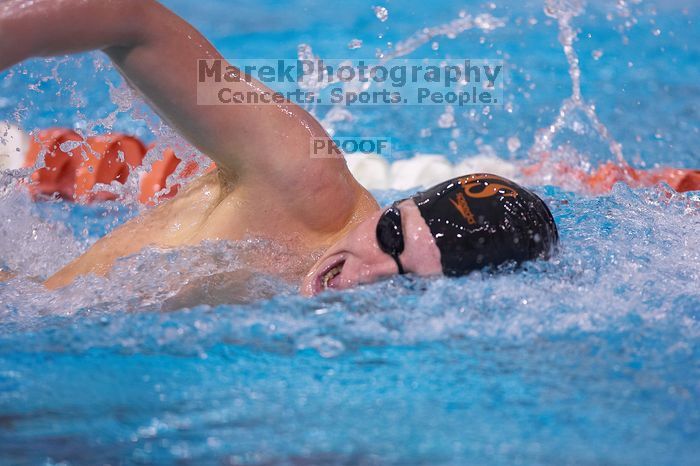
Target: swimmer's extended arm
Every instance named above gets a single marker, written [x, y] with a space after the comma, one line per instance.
[157, 52]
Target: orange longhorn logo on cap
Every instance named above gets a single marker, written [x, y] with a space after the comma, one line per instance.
[490, 189]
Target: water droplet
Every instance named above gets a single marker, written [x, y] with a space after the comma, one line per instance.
[381, 13]
[447, 119]
[355, 44]
[513, 143]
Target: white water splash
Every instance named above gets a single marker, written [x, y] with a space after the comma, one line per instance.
[154, 279]
[25, 238]
[564, 11]
[485, 22]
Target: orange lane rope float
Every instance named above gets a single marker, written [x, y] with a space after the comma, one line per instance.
[603, 178]
[74, 166]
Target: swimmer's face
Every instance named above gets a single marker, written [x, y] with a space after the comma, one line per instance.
[357, 258]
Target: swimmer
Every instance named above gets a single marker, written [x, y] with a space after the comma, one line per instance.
[266, 184]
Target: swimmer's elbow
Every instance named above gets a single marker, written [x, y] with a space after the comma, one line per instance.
[134, 26]
[69, 26]
[142, 23]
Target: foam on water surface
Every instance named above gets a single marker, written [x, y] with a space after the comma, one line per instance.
[593, 353]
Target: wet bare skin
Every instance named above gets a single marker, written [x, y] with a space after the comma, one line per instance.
[358, 259]
[211, 210]
[267, 185]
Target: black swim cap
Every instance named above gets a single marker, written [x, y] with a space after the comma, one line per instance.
[483, 220]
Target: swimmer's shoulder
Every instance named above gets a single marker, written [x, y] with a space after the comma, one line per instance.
[317, 205]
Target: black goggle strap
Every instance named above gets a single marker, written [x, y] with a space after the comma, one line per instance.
[398, 264]
[395, 252]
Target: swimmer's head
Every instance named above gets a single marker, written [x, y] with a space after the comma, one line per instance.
[464, 224]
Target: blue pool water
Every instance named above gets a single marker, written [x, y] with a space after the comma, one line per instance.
[591, 358]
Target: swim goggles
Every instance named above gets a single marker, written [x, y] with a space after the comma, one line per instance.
[390, 234]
